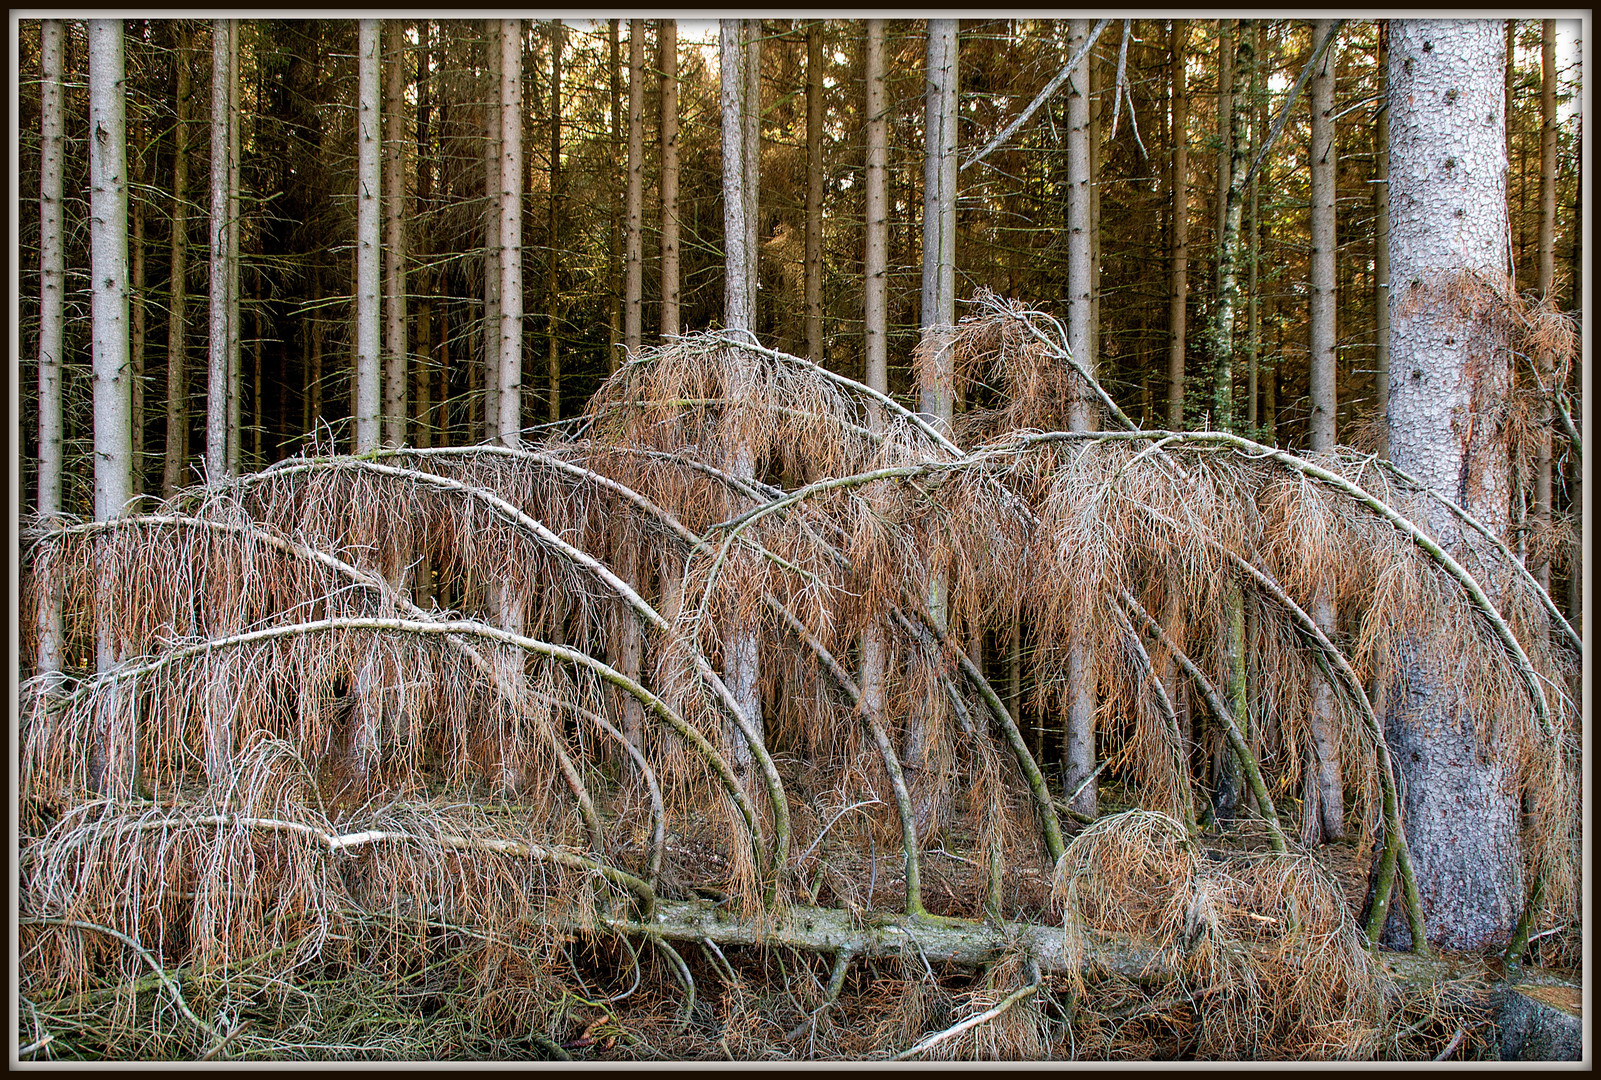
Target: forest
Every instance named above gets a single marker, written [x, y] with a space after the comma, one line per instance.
[798, 539]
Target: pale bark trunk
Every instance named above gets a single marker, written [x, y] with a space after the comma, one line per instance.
[51, 279]
[737, 308]
[667, 50]
[511, 231]
[741, 644]
[394, 204]
[1460, 798]
[751, 132]
[177, 451]
[1231, 788]
[633, 249]
[1381, 252]
[938, 311]
[369, 392]
[814, 193]
[1322, 794]
[1321, 320]
[493, 252]
[1178, 287]
[1078, 729]
[111, 759]
[558, 40]
[217, 352]
[875, 265]
[235, 120]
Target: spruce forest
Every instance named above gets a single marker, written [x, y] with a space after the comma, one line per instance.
[796, 539]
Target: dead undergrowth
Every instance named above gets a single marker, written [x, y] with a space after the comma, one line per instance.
[383, 747]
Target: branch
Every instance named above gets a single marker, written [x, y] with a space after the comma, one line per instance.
[1039, 99]
[1295, 92]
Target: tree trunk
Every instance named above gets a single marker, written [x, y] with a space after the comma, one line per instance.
[814, 193]
[875, 371]
[52, 273]
[1546, 283]
[667, 54]
[494, 252]
[1225, 112]
[1178, 288]
[1230, 787]
[511, 231]
[751, 132]
[555, 245]
[112, 760]
[614, 250]
[136, 310]
[1078, 729]
[633, 249]
[235, 120]
[875, 264]
[1322, 794]
[177, 451]
[394, 203]
[938, 298]
[217, 370]
[368, 386]
[741, 644]
[1322, 314]
[423, 411]
[1381, 252]
[1460, 797]
[1253, 340]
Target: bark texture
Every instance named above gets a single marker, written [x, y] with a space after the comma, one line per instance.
[633, 251]
[511, 231]
[369, 391]
[1448, 220]
[51, 278]
[667, 50]
[1179, 248]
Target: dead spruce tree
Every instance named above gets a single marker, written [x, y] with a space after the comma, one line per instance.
[407, 831]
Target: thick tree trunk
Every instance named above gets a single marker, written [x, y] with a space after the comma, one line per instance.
[511, 232]
[177, 451]
[1322, 794]
[394, 196]
[814, 193]
[667, 52]
[555, 245]
[1253, 339]
[494, 252]
[1460, 796]
[751, 138]
[52, 274]
[369, 401]
[217, 369]
[1078, 728]
[1179, 253]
